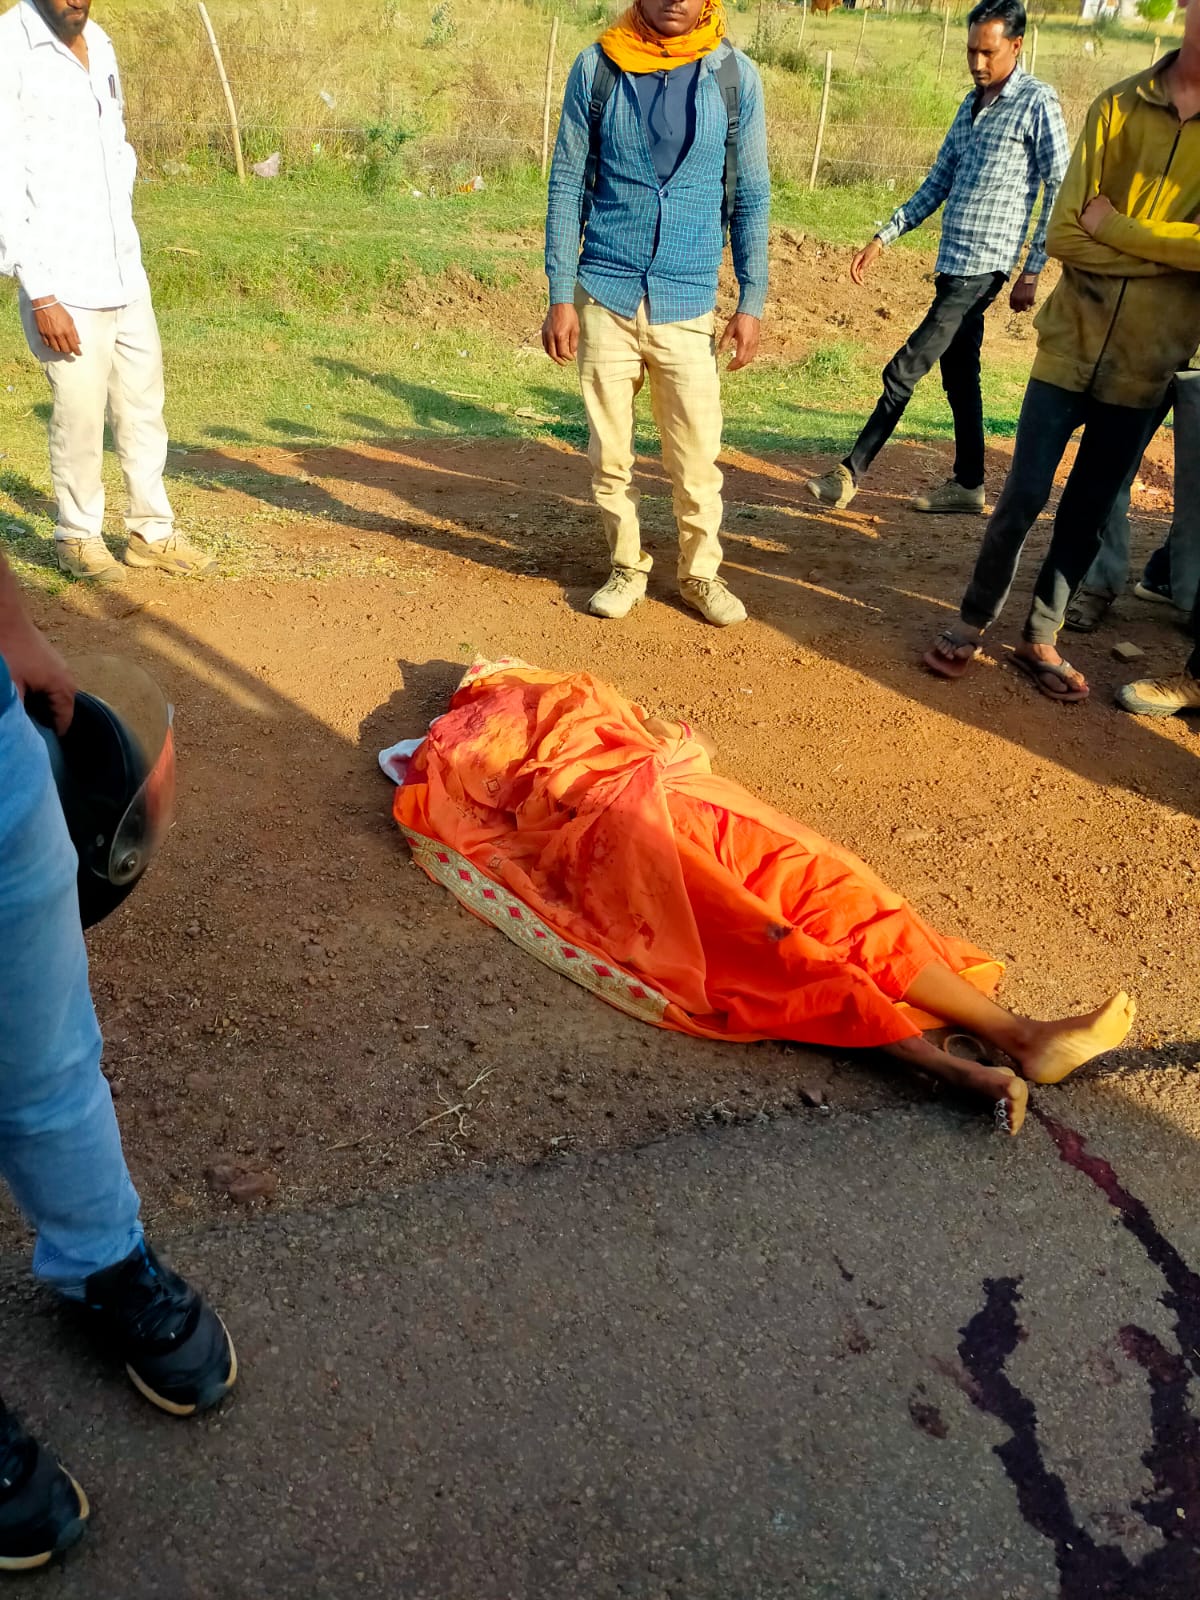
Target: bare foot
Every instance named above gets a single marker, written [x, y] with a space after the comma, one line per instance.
[1055, 1049]
[1008, 1093]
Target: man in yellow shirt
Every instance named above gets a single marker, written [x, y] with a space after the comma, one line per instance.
[1123, 319]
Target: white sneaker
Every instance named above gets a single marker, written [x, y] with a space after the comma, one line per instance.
[714, 600]
[624, 589]
[88, 558]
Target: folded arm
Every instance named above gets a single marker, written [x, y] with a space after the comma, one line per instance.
[1066, 237]
[1170, 244]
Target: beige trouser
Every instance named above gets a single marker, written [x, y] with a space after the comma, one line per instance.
[616, 354]
[118, 373]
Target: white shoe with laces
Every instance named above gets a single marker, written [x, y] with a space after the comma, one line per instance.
[626, 587]
[88, 558]
[714, 600]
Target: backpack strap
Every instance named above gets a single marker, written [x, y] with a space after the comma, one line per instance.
[603, 85]
[729, 81]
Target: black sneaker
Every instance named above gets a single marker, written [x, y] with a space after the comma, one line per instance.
[174, 1345]
[43, 1510]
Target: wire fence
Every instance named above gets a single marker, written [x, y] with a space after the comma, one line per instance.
[882, 126]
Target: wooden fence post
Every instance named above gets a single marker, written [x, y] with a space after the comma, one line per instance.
[1033, 52]
[861, 31]
[803, 20]
[816, 161]
[227, 91]
[546, 98]
[945, 37]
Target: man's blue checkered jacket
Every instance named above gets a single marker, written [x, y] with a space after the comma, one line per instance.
[988, 173]
[649, 240]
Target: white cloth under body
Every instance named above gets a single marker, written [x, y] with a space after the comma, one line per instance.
[66, 168]
[119, 373]
[394, 760]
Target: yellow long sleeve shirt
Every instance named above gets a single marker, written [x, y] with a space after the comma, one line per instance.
[1125, 316]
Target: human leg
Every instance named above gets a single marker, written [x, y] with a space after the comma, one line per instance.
[961, 383]
[1183, 541]
[75, 434]
[685, 396]
[1112, 443]
[1045, 1052]
[1008, 1092]
[1109, 572]
[60, 1149]
[135, 397]
[135, 412]
[1049, 416]
[611, 373]
[954, 300]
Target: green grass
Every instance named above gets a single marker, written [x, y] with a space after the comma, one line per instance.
[294, 316]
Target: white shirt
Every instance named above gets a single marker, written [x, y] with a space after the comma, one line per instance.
[66, 168]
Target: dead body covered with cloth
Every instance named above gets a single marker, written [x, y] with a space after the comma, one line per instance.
[601, 840]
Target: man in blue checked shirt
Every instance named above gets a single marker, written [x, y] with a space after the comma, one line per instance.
[1007, 141]
[637, 301]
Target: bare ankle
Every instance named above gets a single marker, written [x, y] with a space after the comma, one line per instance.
[1020, 1034]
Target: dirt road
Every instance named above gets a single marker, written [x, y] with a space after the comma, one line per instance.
[856, 1357]
[287, 995]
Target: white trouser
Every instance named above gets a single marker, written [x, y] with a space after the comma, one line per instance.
[119, 373]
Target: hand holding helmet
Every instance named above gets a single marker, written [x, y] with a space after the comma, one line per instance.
[114, 768]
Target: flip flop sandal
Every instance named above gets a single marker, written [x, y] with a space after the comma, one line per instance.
[1039, 671]
[944, 666]
[1087, 611]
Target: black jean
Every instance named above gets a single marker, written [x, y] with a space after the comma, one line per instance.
[1193, 661]
[951, 333]
[1113, 437]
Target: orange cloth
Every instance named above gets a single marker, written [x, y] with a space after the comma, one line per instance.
[633, 45]
[750, 925]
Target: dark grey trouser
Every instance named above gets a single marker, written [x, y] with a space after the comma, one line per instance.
[952, 335]
[1177, 562]
[1112, 440]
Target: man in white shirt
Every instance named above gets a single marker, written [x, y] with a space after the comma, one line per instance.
[68, 237]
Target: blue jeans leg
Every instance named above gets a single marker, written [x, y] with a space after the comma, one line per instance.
[60, 1148]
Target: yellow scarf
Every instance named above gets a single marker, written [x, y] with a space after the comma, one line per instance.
[633, 45]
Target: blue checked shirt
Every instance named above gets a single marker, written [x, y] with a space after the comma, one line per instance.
[653, 240]
[988, 173]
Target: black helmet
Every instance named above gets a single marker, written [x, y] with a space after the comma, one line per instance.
[115, 773]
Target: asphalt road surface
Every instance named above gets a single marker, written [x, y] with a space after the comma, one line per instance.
[854, 1358]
